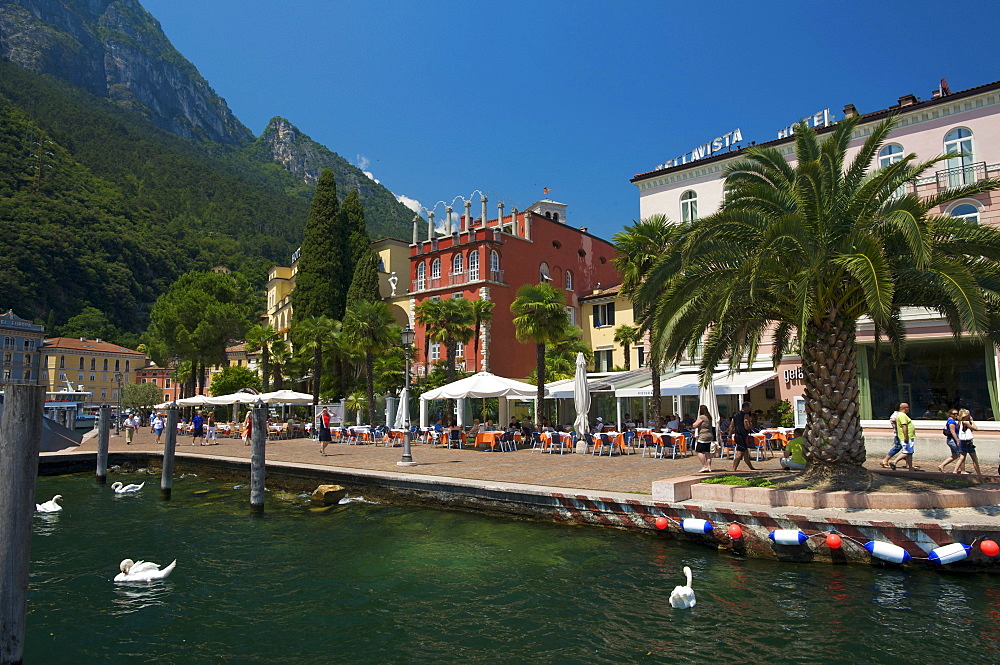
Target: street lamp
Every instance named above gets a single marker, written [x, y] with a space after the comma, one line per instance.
[407, 335]
[118, 420]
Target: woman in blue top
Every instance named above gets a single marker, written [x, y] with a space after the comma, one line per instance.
[951, 438]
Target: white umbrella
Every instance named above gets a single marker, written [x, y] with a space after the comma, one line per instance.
[479, 385]
[706, 396]
[403, 410]
[581, 396]
[284, 397]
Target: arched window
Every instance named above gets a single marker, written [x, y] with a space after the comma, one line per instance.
[555, 217]
[457, 265]
[436, 269]
[105, 364]
[118, 364]
[543, 273]
[81, 362]
[127, 362]
[689, 206]
[421, 276]
[960, 168]
[62, 362]
[474, 264]
[93, 364]
[495, 273]
[966, 210]
[548, 215]
[891, 154]
[569, 280]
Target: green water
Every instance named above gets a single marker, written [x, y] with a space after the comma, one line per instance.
[370, 583]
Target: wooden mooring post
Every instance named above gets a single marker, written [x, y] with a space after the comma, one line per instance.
[20, 440]
[103, 432]
[169, 446]
[258, 438]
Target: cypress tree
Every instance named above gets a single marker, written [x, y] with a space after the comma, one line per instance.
[356, 234]
[364, 286]
[319, 284]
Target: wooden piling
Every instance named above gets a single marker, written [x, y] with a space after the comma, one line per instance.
[103, 432]
[258, 439]
[169, 446]
[20, 441]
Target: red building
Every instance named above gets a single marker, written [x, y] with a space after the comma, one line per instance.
[162, 377]
[490, 260]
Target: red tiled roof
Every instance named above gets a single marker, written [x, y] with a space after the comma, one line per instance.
[92, 345]
[603, 293]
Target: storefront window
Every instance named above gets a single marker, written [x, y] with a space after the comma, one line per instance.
[933, 377]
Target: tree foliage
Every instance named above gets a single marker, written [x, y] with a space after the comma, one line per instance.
[540, 316]
[140, 395]
[319, 284]
[232, 379]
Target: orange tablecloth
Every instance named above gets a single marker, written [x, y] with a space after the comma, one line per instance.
[492, 438]
[671, 438]
[777, 436]
[564, 437]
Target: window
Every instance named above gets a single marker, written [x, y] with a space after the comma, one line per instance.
[29, 345]
[153, 381]
[569, 280]
[474, 265]
[8, 342]
[435, 351]
[457, 265]
[27, 359]
[127, 363]
[960, 169]
[62, 362]
[891, 154]
[105, 364]
[555, 217]
[166, 383]
[421, 276]
[27, 375]
[118, 364]
[604, 315]
[460, 350]
[571, 315]
[8, 357]
[381, 265]
[689, 206]
[93, 364]
[641, 353]
[81, 363]
[104, 394]
[543, 273]
[436, 269]
[6, 375]
[603, 360]
[457, 296]
[79, 376]
[495, 273]
[966, 211]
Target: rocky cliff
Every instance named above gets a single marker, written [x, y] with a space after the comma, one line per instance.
[116, 49]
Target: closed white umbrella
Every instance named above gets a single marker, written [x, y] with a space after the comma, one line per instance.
[706, 396]
[581, 396]
[403, 411]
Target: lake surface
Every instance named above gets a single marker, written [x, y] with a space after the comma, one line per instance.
[372, 583]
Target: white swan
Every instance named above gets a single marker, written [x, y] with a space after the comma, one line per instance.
[127, 489]
[682, 597]
[50, 506]
[143, 571]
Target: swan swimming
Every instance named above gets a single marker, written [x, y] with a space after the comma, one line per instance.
[127, 489]
[143, 571]
[50, 506]
[682, 597]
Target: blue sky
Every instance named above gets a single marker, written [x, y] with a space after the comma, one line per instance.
[438, 99]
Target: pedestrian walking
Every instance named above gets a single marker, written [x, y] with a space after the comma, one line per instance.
[325, 421]
[896, 445]
[131, 423]
[198, 429]
[967, 429]
[705, 435]
[157, 426]
[740, 427]
[906, 433]
[951, 438]
[212, 434]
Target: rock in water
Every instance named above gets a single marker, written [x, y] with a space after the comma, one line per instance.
[326, 495]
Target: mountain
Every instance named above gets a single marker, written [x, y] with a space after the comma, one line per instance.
[120, 168]
[116, 49]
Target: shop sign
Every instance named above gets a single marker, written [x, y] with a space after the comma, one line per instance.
[793, 375]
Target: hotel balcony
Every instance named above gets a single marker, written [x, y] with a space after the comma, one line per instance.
[961, 175]
[461, 279]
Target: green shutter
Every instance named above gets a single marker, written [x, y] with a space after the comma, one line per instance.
[864, 385]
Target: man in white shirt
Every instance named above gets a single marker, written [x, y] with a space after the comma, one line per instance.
[674, 424]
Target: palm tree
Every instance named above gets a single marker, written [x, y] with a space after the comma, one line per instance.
[262, 337]
[642, 245]
[369, 327]
[539, 316]
[560, 355]
[312, 336]
[428, 314]
[482, 311]
[448, 322]
[627, 335]
[803, 252]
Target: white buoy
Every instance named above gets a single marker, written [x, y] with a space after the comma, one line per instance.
[696, 526]
[949, 553]
[887, 551]
[788, 537]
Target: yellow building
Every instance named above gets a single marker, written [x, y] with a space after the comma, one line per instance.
[280, 282]
[602, 312]
[89, 365]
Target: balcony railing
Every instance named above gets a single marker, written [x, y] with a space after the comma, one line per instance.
[496, 275]
[960, 175]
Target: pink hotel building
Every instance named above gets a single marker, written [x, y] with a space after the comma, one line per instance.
[937, 372]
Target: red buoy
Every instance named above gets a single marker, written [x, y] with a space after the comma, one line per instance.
[661, 522]
[989, 547]
[833, 541]
[735, 531]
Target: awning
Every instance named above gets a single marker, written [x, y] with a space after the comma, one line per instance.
[563, 389]
[688, 384]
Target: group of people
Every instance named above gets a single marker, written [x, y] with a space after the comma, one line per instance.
[202, 427]
[959, 435]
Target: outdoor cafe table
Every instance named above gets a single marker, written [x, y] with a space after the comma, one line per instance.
[565, 437]
[492, 438]
[669, 439]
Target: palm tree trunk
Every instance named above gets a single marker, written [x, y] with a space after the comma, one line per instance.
[476, 345]
[628, 360]
[370, 386]
[266, 369]
[449, 349]
[317, 372]
[834, 442]
[540, 393]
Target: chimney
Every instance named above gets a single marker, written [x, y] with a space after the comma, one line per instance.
[416, 218]
[482, 199]
[468, 216]
[907, 100]
[83, 339]
[447, 223]
[597, 289]
[850, 111]
[513, 221]
[430, 226]
[500, 215]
